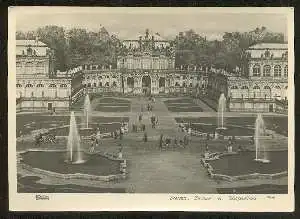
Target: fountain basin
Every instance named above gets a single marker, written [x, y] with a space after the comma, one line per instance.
[52, 163]
[244, 163]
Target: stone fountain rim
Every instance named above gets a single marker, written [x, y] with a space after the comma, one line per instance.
[105, 178]
[225, 177]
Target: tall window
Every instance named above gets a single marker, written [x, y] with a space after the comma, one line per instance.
[256, 70]
[100, 84]
[32, 94]
[43, 94]
[277, 71]
[285, 71]
[267, 71]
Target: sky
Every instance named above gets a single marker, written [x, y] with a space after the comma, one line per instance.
[127, 25]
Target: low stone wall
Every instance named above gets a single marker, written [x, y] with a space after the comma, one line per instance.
[113, 177]
[259, 176]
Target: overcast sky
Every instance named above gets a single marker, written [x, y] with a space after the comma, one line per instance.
[129, 25]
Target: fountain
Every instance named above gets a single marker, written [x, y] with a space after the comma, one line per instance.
[221, 110]
[74, 153]
[87, 110]
[260, 150]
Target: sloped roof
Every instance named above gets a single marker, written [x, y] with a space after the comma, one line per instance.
[269, 46]
[30, 42]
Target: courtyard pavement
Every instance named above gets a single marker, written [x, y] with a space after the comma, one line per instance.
[151, 170]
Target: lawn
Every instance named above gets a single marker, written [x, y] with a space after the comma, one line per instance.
[278, 124]
[29, 184]
[182, 105]
[28, 123]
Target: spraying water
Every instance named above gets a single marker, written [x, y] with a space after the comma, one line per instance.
[87, 109]
[260, 150]
[74, 153]
[221, 110]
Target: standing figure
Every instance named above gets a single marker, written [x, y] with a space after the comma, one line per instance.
[161, 141]
[145, 137]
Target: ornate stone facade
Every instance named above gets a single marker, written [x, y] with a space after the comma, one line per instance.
[145, 66]
[263, 85]
[37, 88]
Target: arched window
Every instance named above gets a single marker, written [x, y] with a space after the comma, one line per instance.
[256, 70]
[39, 85]
[100, 77]
[89, 84]
[256, 88]
[244, 87]
[177, 77]
[114, 76]
[107, 84]
[52, 85]
[277, 71]
[63, 85]
[95, 84]
[114, 84]
[18, 85]
[183, 85]
[29, 85]
[29, 51]
[267, 71]
[234, 87]
[267, 88]
[285, 71]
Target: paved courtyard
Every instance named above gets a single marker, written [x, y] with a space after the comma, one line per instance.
[152, 170]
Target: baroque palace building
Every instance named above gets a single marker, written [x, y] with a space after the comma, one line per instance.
[145, 65]
[38, 88]
[262, 85]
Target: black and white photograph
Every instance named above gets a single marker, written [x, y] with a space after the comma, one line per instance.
[127, 101]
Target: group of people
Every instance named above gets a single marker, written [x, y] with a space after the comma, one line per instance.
[165, 141]
[96, 139]
[44, 138]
